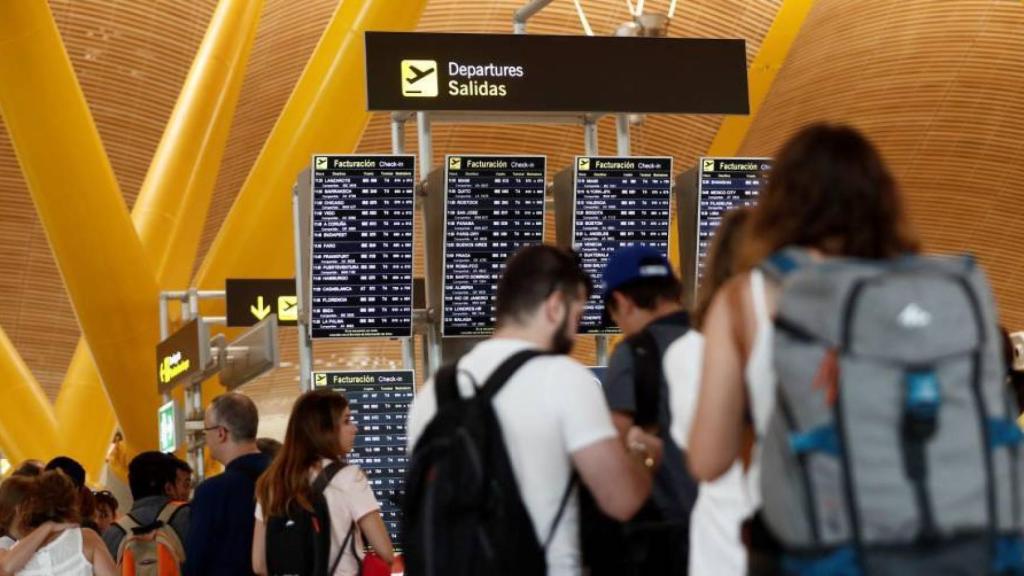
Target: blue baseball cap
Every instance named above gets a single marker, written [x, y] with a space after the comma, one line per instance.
[632, 263]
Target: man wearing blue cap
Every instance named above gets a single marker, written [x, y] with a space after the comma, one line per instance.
[644, 298]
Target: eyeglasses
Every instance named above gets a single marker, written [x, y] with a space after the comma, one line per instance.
[209, 428]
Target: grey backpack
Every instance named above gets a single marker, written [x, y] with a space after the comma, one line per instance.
[893, 447]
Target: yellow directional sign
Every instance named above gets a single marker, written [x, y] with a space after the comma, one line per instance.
[252, 300]
[259, 310]
[319, 379]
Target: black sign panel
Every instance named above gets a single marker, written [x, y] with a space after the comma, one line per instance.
[494, 205]
[252, 300]
[534, 73]
[379, 401]
[618, 202]
[724, 184]
[361, 262]
[182, 355]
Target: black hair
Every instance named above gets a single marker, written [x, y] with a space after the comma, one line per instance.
[74, 471]
[179, 464]
[533, 274]
[149, 473]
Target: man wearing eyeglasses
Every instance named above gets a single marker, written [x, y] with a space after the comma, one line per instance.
[220, 536]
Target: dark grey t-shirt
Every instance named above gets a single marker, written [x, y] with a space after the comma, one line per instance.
[675, 491]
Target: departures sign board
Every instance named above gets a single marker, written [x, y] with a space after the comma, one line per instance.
[361, 264]
[379, 403]
[618, 201]
[724, 184]
[494, 205]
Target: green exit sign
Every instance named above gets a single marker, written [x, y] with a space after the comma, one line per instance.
[167, 419]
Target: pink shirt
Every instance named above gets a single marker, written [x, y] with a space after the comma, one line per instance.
[349, 498]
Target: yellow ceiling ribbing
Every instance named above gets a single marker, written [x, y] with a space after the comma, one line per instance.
[81, 209]
[167, 219]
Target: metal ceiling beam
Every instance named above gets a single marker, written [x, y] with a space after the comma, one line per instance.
[171, 207]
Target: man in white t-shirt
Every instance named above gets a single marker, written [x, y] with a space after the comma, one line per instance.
[553, 415]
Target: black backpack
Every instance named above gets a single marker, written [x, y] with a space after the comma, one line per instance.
[299, 544]
[463, 513]
[646, 543]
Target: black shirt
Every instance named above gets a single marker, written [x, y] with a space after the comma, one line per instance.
[223, 516]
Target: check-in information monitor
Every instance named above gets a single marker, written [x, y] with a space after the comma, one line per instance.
[379, 401]
[618, 202]
[724, 184]
[361, 265]
[494, 205]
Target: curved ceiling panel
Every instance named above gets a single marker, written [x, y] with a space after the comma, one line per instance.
[131, 59]
[938, 86]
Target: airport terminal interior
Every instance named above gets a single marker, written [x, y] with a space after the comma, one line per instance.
[274, 196]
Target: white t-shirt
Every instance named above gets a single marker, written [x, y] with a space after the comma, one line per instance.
[716, 548]
[549, 409]
[6, 542]
[349, 498]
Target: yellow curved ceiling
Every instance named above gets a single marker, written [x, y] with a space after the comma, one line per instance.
[937, 84]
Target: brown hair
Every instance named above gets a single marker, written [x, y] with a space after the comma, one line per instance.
[12, 493]
[830, 189]
[312, 435]
[722, 260]
[52, 497]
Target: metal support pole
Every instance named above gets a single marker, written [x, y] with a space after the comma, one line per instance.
[602, 350]
[426, 144]
[590, 137]
[622, 142]
[398, 147]
[305, 341]
[523, 14]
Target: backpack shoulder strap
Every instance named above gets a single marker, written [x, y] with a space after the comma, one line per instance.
[127, 523]
[784, 262]
[446, 386]
[505, 371]
[323, 479]
[573, 480]
[647, 374]
[169, 511]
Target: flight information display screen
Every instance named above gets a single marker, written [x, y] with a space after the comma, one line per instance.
[724, 184]
[361, 264]
[494, 205]
[379, 402]
[618, 202]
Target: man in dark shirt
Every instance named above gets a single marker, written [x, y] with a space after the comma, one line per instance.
[644, 298]
[223, 509]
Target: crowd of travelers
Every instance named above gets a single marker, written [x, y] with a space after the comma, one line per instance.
[835, 403]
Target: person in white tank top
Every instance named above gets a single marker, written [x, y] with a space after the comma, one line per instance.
[716, 548]
[830, 193]
[48, 545]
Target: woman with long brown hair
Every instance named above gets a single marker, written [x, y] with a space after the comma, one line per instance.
[831, 194]
[321, 432]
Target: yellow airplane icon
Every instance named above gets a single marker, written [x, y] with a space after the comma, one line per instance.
[709, 165]
[321, 163]
[287, 308]
[455, 163]
[320, 379]
[584, 164]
